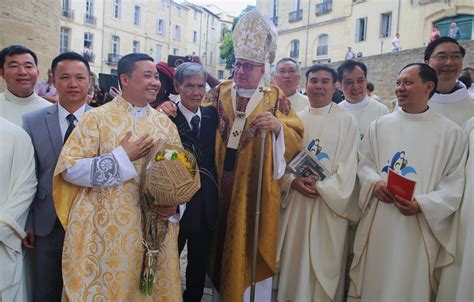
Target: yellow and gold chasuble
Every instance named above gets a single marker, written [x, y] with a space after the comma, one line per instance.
[103, 251]
[233, 241]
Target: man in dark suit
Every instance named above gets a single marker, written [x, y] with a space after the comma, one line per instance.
[49, 128]
[197, 129]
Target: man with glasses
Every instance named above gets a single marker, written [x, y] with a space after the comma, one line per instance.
[287, 78]
[246, 106]
[452, 99]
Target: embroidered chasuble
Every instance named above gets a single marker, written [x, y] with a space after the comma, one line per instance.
[231, 255]
[312, 235]
[103, 251]
[398, 257]
[17, 190]
[456, 282]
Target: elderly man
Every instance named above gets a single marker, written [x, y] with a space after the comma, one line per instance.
[353, 78]
[246, 106]
[402, 242]
[452, 99]
[17, 189]
[18, 67]
[287, 78]
[96, 190]
[197, 130]
[315, 214]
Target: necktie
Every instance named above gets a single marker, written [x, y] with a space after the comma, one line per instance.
[195, 125]
[70, 118]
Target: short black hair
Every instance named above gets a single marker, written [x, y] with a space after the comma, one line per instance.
[16, 50]
[126, 64]
[350, 65]
[370, 86]
[426, 73]
[322, 67]
[431, 47]
[71, 56]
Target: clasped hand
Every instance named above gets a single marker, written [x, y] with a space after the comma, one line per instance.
[404, 206]
[305, 186]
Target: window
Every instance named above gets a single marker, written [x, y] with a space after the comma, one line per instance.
[64, 39]
[175, 51]
[211, 58]
[162, 4]
[136, 47]
[66, 5]
[213, 21]
[177, 33]
[115, 45]
[385, 25]
[158, 53]
[195, 36]
[136, 15]
[88, 40]
[323, 7]
[178, 11]
[295, 49]
[322, 45]
[195, 15]
[220, 74]
[361, 29]
[117, 9]
[66, 10]
[89, 8]
[160, 27]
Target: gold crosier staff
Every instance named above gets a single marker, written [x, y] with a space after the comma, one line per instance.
[263, 135]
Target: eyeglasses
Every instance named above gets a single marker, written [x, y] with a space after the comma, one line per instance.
[444, 57]
[289, 72]
[246, 66]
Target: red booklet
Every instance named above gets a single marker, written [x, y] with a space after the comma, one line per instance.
[399, 185]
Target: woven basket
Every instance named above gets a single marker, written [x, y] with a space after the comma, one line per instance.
[170, 183]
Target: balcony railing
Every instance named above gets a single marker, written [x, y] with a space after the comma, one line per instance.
[322, 50]
[90, 57]
[88, 19]
[295, 16]
[323, 8]
[113, 58]
[68, 13]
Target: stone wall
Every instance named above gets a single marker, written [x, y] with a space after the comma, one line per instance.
[34, 24]
[383, 69]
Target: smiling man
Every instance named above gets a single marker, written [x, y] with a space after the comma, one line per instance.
[400, 243]
[287, 78]
[452, 99]
[96, 190]
[18, 67]
[353, 78]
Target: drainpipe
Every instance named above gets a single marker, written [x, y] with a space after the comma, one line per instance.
[103, 38]
[307, 34]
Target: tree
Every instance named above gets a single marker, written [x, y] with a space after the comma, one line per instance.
[227, 46]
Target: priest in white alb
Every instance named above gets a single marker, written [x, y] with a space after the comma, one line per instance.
[315, 215]
[17, 190]
[401, 244]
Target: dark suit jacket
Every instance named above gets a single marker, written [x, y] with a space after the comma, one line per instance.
[202, 209]
[43, 127]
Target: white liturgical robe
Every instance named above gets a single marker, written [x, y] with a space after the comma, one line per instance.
[398, 257]
[298, 101]
[312, 234]
[13, 107]
[17, 189]
[457, 280]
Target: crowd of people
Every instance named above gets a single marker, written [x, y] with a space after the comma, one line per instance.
[72, 179]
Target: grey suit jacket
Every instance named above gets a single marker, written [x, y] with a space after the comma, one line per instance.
[43, 127]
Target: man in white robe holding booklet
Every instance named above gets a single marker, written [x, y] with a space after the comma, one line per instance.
[317, 203]
[402, 244]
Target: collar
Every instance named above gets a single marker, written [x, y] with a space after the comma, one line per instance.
[63, 113]
[33, 98]
[320, 111]
[453, 97]
[245, 93]
[123, 103]
[425, 115]
[188, 114]
[353, 106]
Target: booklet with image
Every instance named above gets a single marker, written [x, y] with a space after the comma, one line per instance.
[399, 185]
[306, 165]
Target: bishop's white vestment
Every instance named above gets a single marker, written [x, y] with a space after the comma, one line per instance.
[17, 190]
[13, 107]
[312, 234]
[397, 257]
[457, 280]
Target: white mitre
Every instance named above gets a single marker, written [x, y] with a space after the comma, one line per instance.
[255, 38]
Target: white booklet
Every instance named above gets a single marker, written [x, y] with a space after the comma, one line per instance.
[305, 164]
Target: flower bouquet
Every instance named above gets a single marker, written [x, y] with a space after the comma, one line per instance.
[171, 178]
